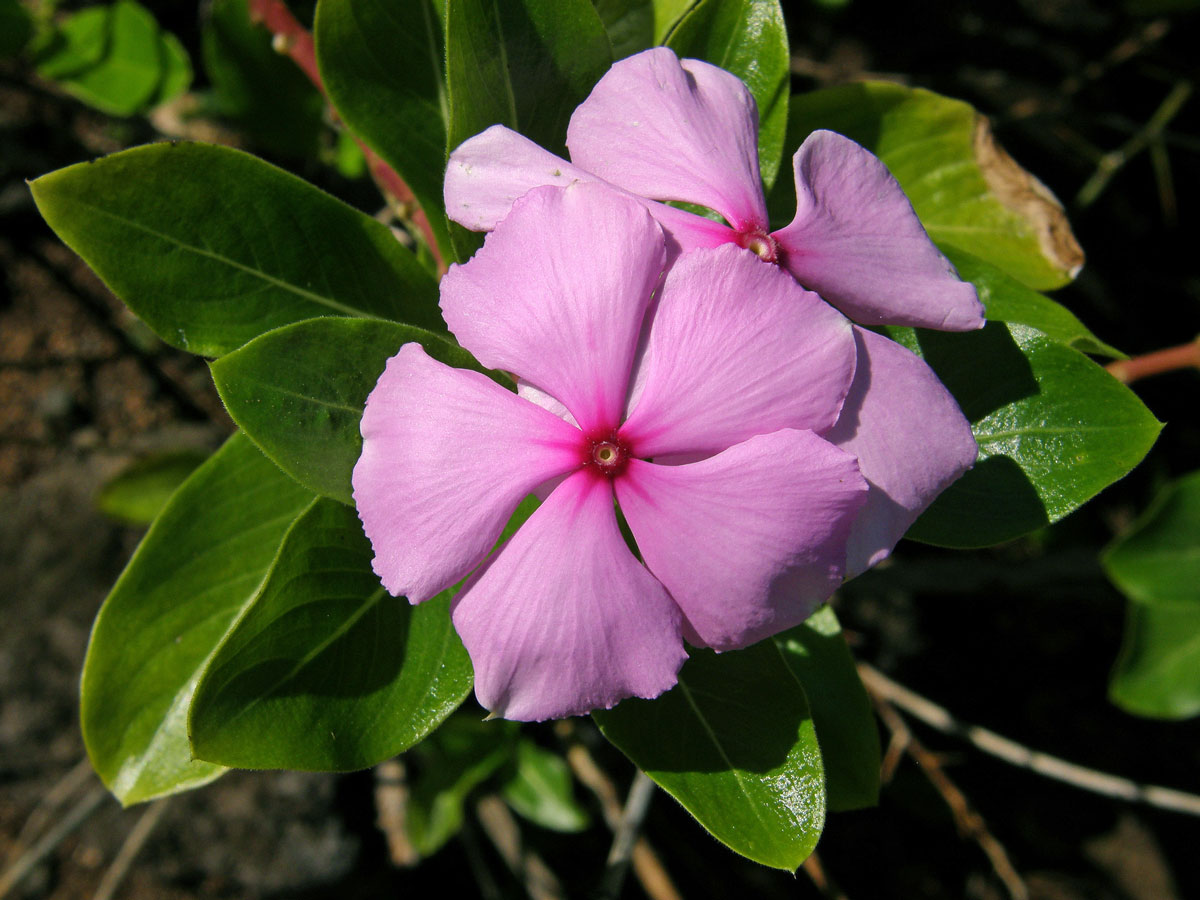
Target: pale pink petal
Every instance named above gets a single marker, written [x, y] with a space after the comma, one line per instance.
[564, 619]
[557, 295]
[857, 242]
[911, 440]
[736, 348]
[749, 541]
[489, 172]
[672, 129]
[447, 456]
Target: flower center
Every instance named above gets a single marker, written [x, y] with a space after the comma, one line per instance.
[608, 455]
[760, 244]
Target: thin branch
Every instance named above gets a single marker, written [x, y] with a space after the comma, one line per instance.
[294, 40]
[1185, 356]
[505, 834]
[66, 826]
[820, 878]
[625, 835]
[1018, 755]
[648, 868]
[968, 821]
[137, 838]
[1110, 163]
[43, 813]
[391, 804]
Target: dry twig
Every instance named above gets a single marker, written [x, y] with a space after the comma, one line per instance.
[504, 833]
[391, 802]
[137, 838]
[66, 826]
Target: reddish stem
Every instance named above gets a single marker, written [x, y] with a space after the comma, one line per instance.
[1185, 356]
[295, 40]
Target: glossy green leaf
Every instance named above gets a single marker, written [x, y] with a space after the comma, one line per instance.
[1157, 562]
[817, 653]
[325, 670]
[968, 193]
[749, 39]
[212, 247]
[1054, 429]
[299, 391]
[456, 759]
[16, 28]
[541, 790]
[139, 491]
[734, 742]
[526, 64]
[1007, 300]
[382, 64]
[262, 92]
[108, 56]
[1158, 671]
[197, 568]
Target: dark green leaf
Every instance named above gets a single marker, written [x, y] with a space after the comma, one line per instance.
[967, 191]
[263, 92]
[16, 28]
[541, 790]
[299, 391]
[139, 492]
[108, 57]
[197, 568]
[1008, 300]
[175, 75]
[212, 247]
[1157, 562]
[1158, 671]
[382, 65]
[325, 670]
[733, 742]
[747, 38]
[1054, 429]
[629, 23]
[817, 653]
[455, 759]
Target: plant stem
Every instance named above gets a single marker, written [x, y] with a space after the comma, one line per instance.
[1185, 356]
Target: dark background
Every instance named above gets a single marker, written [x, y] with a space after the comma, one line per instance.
[1019, 638]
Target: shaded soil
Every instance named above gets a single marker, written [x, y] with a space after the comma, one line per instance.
[1019, 638]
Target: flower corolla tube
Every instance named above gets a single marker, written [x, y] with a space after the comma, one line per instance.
[658, 128]
[697, 406]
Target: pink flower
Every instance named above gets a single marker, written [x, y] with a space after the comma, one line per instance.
[695, 402]
[663, 129]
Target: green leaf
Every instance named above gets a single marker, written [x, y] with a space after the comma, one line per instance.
[1158, 671]
[262, 92]
[325, 670]
[817, 654]
[198, 566]
[733, 742]
[108, 57]
[1054, 429]
[16, 28]
[968, 193]
[139, 491]
[176, 72]
[382, 65]
[747, 38]
[456, 759]
[629, 24]
[212, 247]
[1007, 300]
[299, 391]
[1157, 562]
[541, 790]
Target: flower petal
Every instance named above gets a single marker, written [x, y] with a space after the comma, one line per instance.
[563, 619]
[558, 293]
[911, 440]
[672, 129]
[488, 173]
[857, 242]
[736, 348]
[749, 541]
[447, 456]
